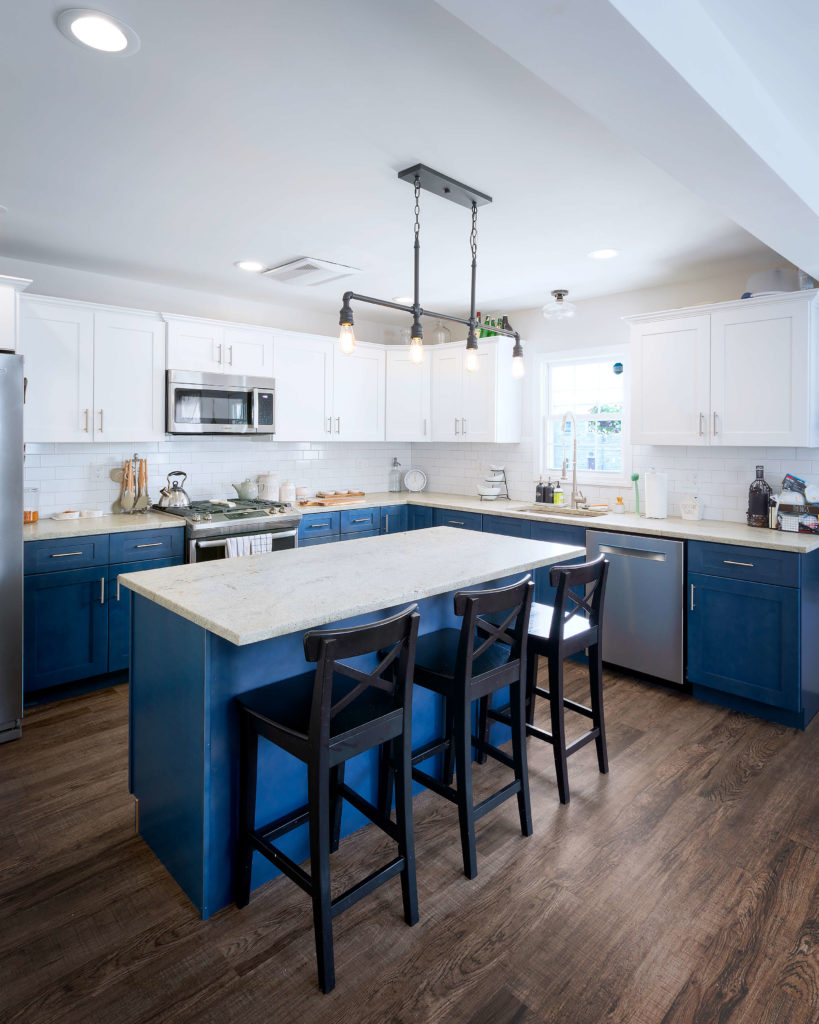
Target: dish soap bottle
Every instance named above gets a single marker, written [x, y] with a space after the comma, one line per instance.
[395, 476]
[540, 492]
[759, 499]
[558, 494]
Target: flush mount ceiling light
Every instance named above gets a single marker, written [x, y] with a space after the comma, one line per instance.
[424, 177]
[403, 300]
[603, 254]
[251, 266]
[558, 308]
[98, 31]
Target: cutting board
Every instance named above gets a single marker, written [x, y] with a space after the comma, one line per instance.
[337, 499]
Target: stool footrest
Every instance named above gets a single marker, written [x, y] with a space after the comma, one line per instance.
[581, 741]
[437, 787]
[492, 751]
[428, 749]
[368, 810]
[581, 709]
[281, 826]
[283, 863]
[366, 886]
[491, 802]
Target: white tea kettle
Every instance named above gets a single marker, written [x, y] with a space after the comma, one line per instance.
[248, 490]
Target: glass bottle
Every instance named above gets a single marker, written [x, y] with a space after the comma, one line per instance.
[441, 335]
[395, 476]
[759, 499]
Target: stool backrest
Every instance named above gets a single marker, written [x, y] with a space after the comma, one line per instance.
[589, 575]
[329, 649]
[510, 606]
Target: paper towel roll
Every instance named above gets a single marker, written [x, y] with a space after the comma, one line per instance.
[656, 495]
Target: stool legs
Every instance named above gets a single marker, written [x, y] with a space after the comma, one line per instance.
[519, 756]
[463, 766]
[336, 803]
[318, 786]
[596, 679]
[406, 834]
[558, 727]
[248, 754]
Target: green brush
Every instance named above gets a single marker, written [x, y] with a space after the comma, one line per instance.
[635, 477]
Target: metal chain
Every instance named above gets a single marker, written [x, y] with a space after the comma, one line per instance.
[417, 206]
[473, 235]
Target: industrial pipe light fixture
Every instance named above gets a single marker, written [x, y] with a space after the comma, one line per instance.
[424, 177]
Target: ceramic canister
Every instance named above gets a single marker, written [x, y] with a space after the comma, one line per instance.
[268, 486]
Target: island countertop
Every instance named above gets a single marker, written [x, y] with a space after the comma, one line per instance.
[246, 600]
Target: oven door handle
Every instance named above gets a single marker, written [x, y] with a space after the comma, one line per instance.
[222, 541]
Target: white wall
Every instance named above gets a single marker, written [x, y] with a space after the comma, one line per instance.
[720, 476]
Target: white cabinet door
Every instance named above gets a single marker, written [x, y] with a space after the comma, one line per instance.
[196, 345]
[478, 397]
[760, 382]
[358, 394]
[57, 343]
[10, 288]
[445, 402]
[129, 377]
[247, 352]
[671, 368]
[407, 397]
[303, 368]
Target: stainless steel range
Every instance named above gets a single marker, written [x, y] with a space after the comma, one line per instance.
[209, 525]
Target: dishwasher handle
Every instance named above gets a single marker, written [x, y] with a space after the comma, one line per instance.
[652, 556]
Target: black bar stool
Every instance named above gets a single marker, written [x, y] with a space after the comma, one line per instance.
[556, 633]
[325, 718]
[463, 666]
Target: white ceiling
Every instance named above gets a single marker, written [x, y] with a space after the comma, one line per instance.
[275, 130]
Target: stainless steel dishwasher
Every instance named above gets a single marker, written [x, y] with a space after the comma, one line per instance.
[643, 615]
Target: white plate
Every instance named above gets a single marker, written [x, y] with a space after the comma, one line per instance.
[90, 513]
[415, 480]
[65, 515]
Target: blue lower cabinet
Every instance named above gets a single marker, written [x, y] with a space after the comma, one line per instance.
[555, 533]
[119, 609]
[310, 542]
[67, 553]
[147, 545]
[358, 536]
[319, 524]
[65, 618]
[507, 526]
[393, 518]
[743, 639]
[419, 517]
[460, 520]
[360, 520]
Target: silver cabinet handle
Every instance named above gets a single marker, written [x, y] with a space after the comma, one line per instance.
[230, 358]
[86, 420]
[653, 556]
[100, 420]
[329, 424]
[701, 431]
[338, 424]
[691, 605]
[463, 427]
[455, 522]
[66, 554]
[425, 428]
[102, 590]
[456, 424]
[219, 353]
[320, 526]
[368, 520]
[118, 588]
[715, 424]
[727, 561]
[387, 523]
[156, 544]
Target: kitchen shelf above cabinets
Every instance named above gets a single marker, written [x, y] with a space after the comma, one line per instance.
[733, 374]
[93, 373]
[212, 346]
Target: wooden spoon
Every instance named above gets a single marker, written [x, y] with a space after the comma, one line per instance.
[127, 501]
[142, 500]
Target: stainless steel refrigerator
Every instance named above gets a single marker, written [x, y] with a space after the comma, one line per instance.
[11, 546]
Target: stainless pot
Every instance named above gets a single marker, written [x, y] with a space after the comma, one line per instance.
[172, 495]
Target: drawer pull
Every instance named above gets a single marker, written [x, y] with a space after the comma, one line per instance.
[66, 554]
[692, 598]
[653, 556]
[727, 561]
[102, 590]
[317, 526]
[367, 520]
[156, 544]
[455, 522]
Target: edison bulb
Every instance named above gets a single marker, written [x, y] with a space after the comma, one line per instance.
[518, 369]
[346, 339]
[416, 352]
[471, 360]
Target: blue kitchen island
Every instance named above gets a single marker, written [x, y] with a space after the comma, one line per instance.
[202, 634]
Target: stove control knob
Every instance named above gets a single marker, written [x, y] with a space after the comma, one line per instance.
[208, 517]
[196, 518]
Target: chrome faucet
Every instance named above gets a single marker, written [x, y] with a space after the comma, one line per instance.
[578, 497]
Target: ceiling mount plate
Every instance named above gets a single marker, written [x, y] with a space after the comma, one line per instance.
[447, 188]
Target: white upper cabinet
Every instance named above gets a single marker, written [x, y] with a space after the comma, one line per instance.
[129, 377]
[303, 368]
[93, 374]
[733, 374]
[10, 288]
[358, 394]
[479, 406]
[57, 343]
[407, 396]
[210, 346]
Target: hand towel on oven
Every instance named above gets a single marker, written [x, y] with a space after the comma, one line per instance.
[250, 544]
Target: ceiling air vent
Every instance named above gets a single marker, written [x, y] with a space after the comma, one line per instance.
[307, 271]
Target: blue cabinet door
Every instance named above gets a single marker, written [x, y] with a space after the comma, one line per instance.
[743, 639]
[419, 517]
[555, 533]
[507, 526]
[360, 520]
[393, 518]
[318, 524]
[119, 609]
[459, 520]
[65, 627]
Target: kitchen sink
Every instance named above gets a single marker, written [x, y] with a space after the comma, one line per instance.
[560, 510]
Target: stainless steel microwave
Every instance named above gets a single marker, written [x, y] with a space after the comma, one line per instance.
[214, 403]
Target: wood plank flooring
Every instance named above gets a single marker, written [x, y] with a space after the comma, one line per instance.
[682, 888]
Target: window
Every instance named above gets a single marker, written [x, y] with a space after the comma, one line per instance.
[595, 395]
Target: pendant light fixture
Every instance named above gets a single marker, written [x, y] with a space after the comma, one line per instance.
[559, 308]
[423, 177]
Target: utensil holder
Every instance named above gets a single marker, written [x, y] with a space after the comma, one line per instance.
[134, 463]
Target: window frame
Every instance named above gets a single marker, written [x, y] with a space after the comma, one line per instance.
[595, 478]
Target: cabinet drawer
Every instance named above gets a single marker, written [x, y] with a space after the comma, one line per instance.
[559, 533]
[360, 520]
[507, 527]
[419, 517]
[144, 544]
[393, 518]
[320, 524]
[460, 520]
[363, 533]
[310, 542]
[70, 553]
[758, 565]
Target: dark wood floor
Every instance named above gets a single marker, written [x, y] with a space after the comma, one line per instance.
[682, 887]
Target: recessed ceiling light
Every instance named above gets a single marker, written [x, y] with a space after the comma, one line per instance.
[405, 300]
[97, 30]
[251, 266]
[603, 254]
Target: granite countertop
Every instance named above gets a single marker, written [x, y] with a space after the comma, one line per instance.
[246, 600]
[711, 530]
[60, 529]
